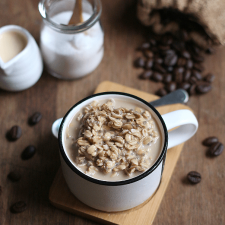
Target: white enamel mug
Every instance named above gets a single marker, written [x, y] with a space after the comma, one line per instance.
[25, 69]
[113, 196]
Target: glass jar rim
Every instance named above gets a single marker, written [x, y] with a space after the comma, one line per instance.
[71, 29]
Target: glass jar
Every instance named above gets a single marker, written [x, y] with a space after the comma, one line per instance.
[71, 51]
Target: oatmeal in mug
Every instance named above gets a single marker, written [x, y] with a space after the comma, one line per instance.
[113, 140]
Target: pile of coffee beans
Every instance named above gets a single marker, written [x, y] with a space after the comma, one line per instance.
[215, 147]
[176, 62]
[12, 135]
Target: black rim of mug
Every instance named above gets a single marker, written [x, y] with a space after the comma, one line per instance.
[113, 183]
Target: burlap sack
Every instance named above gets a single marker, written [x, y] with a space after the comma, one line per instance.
[210, 14]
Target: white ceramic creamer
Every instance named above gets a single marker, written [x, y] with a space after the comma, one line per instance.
[21, 69]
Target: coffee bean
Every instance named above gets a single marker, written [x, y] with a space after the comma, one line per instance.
[144, 46]
[186, 54]
[148, 53]
[139, 62]
[164, 47]
[14, 176]
[178, 70]
[189, 64]
[198, 67]
[171, 86]
[198, 58]
[169, 69]
[192, 89]
[170, 60]
[210, 141]
[28, 152]
[149, 64]
[196, 74]
[14, 133]
[209, 50]
[186, 75]
[158, 60]
[193, 80]
[178, 77]
[184, 35]
[181, 61]
[203, 88]
[35, 118]
[184, 86]
[209, 78]
[146, 74]
[167, 78]
[178, 45]
[194, 177]
[216, 149]
[167, 40]
[159, 68]
[161, 92]
[168, 52]
[157, 77]
[18, 207]
[152, 42]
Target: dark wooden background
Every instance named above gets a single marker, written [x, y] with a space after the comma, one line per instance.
[203, 203]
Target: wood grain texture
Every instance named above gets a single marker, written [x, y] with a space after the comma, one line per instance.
[182, 203]
[61, 197]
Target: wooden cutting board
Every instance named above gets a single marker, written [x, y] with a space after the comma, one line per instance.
[62, 198]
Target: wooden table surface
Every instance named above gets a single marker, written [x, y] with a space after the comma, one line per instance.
[203, 203]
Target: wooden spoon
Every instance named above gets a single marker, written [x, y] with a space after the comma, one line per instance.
[77, 16]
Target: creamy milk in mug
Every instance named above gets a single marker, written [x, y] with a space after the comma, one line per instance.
[108, 137]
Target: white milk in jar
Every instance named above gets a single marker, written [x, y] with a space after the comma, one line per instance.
[70, 52]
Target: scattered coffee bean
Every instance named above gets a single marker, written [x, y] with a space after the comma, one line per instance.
[159, 68]
[189, 64]
[184, 86]
[178, 78]
[209, 78]
[158, 60]
[198, 67]
[170, 60]
[181, 61]
[209, 50]
[145, 45]
[196, 74]
[198, 58]
[194, 177]
[157, 77]
[186, 54]
[167, 78]
[216, 149]
[18, 207]
[210, 141]
[192, 89]
[148, 53]
[35, 118]
[193, 80]
[149, 64]
[171, 86]
[146, 74]
[14, 176]
[139, 62]
[186, 75]
[161, 92]
[203, 88]
[28, 152]
[14, 133]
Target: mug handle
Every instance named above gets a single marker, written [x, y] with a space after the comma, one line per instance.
[55, 127]
[187, 125]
